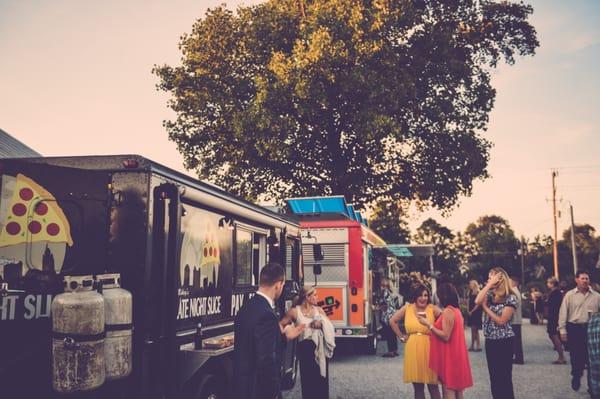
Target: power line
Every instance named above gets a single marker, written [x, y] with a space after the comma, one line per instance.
[576, 167]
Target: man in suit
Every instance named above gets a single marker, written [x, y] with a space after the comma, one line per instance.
[259, 339]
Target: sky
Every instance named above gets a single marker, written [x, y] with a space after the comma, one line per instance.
[75, 79]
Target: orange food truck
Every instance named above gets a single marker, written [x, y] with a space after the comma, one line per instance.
[336, 249]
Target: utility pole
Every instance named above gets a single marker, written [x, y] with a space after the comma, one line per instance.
[555, 243]
[522, 253]
[573, 242]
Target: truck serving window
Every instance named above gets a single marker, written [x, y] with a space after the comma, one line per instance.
[243, 248]
[251, 254]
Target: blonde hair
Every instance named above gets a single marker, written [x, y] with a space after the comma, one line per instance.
[474, 283]
[304, 293]
[503, 288]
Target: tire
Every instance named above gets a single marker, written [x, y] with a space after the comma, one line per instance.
[209, 388]
[289, 380]
[370, 345]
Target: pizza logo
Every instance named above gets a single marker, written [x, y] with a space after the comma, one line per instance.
[210, 252]
[31, 215]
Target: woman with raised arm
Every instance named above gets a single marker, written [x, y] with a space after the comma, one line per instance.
[498, 303]
[448, 356]
[416, 351]
[316, 343]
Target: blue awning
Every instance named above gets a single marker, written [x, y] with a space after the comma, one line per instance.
[302, 206]
[400, 251]
[350, 211]
[358, 216]
[327, 205]
[408, 250]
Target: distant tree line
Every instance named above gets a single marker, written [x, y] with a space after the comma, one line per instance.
[487, 242]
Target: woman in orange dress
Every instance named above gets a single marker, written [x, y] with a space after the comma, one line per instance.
[416, 350]
[448, 355]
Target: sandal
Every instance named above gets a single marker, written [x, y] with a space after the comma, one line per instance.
[559, 362]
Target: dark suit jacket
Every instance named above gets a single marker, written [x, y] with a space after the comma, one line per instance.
[257, 354]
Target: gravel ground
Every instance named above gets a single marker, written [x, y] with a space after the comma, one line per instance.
[358, 376]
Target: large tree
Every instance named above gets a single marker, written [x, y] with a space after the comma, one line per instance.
[441, 237]
[496, 243]
[587, 246]
[388, 220]
[365, 98]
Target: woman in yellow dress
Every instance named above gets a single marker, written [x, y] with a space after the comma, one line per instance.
[416, 350]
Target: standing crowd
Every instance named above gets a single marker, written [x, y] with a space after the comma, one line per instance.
[435, 351]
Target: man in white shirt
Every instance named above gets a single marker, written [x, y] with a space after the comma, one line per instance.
[577, 307]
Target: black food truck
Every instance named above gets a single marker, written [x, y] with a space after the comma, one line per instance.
[185, 253]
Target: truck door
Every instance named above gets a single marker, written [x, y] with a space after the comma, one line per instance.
[292, 272]
[159, 372]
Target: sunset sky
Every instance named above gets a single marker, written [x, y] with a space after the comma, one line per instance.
[75, 79]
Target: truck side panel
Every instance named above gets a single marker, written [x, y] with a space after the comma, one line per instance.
[47, 229]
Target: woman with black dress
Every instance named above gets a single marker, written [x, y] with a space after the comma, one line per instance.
[474, 319]
[533, 305]
[555, 297]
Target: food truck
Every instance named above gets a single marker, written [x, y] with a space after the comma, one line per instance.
[337, 254]
[181, 256]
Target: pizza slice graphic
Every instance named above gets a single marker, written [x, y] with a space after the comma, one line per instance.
[32, 215]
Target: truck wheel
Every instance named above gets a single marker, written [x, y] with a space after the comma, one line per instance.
[209, 388]
[289, 380]
[370, 345]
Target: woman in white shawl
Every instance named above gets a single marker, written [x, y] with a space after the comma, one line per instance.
[316, 343]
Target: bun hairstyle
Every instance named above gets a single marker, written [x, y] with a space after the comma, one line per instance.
[304, 293]
[503, 288]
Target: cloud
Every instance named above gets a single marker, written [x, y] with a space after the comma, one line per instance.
[583, 41]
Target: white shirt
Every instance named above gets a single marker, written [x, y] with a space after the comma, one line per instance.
[576, 308]
[269, 299]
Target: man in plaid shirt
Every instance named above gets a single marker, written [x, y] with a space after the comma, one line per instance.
[593, 345]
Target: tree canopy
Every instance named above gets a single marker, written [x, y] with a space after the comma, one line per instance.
[387, 221]
[587, 245]
[496, 243]
[353, 97]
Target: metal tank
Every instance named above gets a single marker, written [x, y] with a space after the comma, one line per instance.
[118, 325]
[78, 337]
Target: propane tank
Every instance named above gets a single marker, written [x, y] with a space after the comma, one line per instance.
[78, 337]
[118, 319]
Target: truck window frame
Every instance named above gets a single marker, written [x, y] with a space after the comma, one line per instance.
[255, 258]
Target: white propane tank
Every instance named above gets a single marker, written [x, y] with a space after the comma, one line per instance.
[78, 337]
[118, 318]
